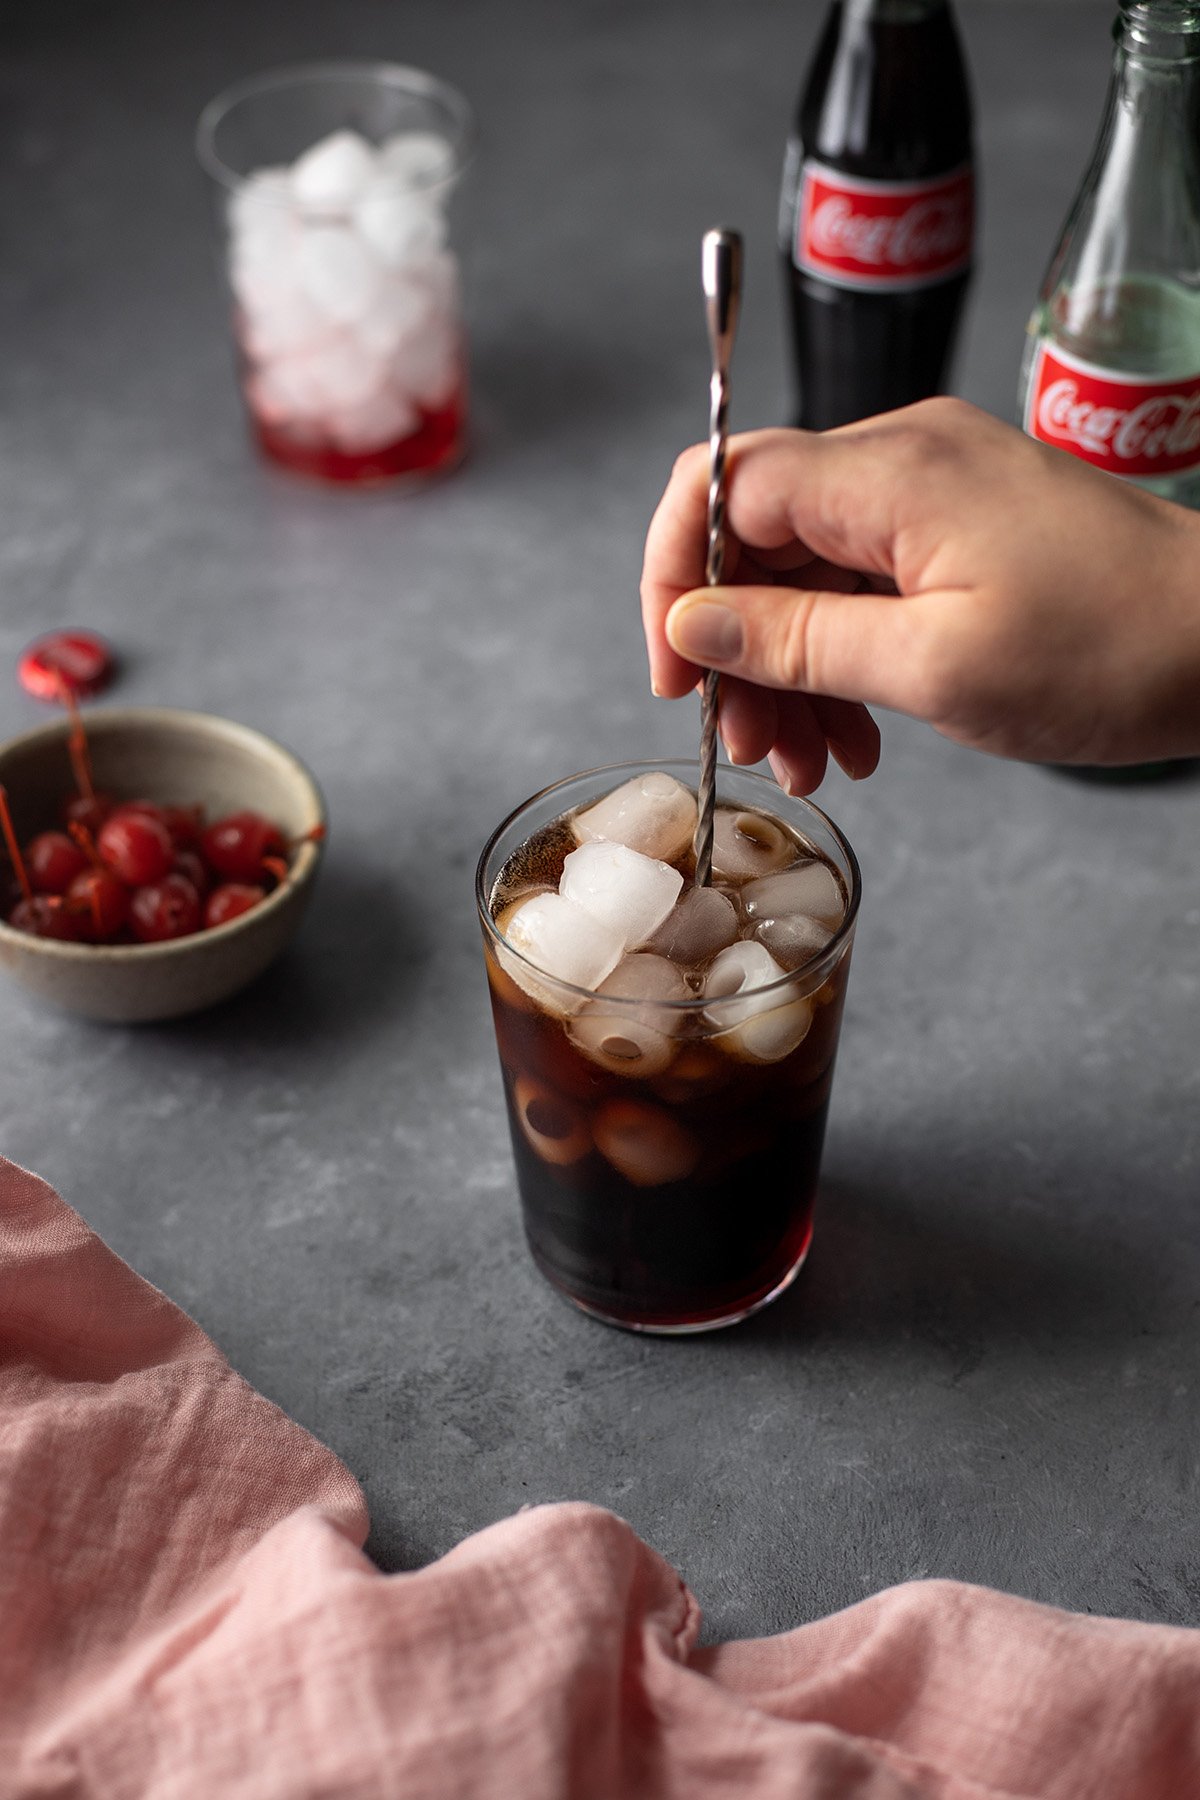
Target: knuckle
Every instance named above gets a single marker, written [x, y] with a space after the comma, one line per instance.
[945, 414]
[791, 651]
[932, 433]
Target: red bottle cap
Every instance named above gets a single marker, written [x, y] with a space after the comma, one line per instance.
[77, 660]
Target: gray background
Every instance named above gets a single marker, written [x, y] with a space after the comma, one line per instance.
[989, 1369]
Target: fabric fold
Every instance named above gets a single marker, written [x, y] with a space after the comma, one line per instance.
[186, 1611]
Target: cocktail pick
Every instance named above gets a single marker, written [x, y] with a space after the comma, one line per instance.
[721, 262]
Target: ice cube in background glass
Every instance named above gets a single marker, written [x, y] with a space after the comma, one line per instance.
[418, 159]
[644, 1143]
[701, 922]
[351, 238]
[330, 176]
[629, 892]
[261, 283]
[426, 363]
[262, 217]
[338, 273]
[379, 419]
[793, 939]
[748, 844]
[563, 940]
[400, 227]
[285, 393]
[632, 1039]
[278, 320]
[653, 813]
[346, 373]
[400, 309]
[810, 887]
[759, 1027]
[437, 277]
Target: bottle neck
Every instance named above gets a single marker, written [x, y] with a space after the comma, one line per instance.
[1157, 35]
[1128, 265]
[890, 12]
[1154, 96]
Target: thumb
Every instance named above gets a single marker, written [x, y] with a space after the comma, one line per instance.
[850, 646]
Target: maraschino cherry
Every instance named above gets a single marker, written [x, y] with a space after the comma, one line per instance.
[137, 870]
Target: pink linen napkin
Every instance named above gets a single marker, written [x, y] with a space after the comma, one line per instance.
[185, 1610]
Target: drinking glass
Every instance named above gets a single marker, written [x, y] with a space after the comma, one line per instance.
[667, 1153]
[333, 185]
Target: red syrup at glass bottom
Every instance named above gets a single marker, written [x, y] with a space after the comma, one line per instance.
[436, 444]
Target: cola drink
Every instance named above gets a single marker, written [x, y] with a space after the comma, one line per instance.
[876, 223]
[1111, 370]
[667, 1071]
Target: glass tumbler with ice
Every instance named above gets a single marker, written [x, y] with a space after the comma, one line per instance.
[667, 1050]
[333, 185]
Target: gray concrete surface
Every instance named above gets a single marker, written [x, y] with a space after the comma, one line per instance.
[990, 1368]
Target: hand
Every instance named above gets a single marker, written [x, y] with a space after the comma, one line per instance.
[939, 563]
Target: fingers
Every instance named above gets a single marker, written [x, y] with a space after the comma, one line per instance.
[676, 549]
[808, 727]
[851, 733]
[819, 508]
[749, 720]
[862, 647]
[800, 757]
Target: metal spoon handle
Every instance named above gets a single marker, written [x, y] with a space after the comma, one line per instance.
[721, 264]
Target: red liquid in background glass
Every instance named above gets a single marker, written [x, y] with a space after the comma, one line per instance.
[437, 443]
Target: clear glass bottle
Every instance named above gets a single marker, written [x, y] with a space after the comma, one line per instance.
[1111, 370]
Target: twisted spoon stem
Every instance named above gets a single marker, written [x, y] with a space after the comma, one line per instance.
[722, 269]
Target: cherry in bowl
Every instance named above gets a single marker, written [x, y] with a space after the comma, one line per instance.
[191, 769]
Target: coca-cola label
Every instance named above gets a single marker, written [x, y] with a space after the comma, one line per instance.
[883, 234]
[1126, 424]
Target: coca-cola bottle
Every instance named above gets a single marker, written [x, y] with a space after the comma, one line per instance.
[876, 217]
[1112, 363]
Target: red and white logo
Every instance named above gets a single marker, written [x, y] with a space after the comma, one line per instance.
[883, 234]
[1122, 423]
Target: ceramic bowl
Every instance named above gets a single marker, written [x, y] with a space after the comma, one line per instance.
[179, 758]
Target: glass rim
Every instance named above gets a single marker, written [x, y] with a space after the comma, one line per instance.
[414, 81]
[695, 1002]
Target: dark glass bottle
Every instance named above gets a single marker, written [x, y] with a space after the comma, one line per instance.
[876, 211]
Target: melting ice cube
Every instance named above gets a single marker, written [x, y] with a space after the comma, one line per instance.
[748, 844]
[652, 813]
[810, 887]
[702, 922]
[794, 938]
[629, 1028]
[644, 1143]
[564, 941]
[554, 1128]
[630, 893]
[760, 1027]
